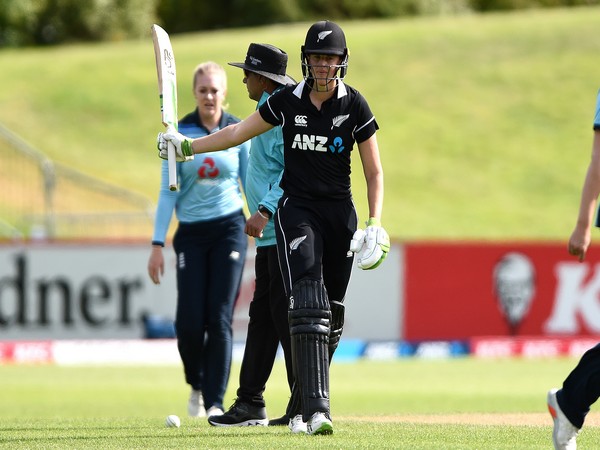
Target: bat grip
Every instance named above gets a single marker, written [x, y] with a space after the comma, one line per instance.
[172, 166]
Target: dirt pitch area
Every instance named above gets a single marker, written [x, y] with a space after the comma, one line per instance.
[527, 419]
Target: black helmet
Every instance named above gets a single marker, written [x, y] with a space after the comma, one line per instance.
[324, 38]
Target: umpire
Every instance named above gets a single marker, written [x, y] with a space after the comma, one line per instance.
[264, 74]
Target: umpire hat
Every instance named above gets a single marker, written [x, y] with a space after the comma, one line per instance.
[268, 61]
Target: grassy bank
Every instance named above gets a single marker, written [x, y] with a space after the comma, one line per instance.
[485, 120]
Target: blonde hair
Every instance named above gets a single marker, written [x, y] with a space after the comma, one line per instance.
[211, 67]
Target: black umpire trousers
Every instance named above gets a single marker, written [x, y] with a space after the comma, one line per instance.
[268, 326]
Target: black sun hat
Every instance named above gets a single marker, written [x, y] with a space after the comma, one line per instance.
[268, 61]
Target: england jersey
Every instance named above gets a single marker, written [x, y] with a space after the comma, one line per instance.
[317, 143]
[597, 115]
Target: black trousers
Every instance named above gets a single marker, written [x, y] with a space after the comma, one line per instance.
[268, 326]
[313, 241]
[581, 388]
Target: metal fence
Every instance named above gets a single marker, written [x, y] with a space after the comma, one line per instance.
[43, 199]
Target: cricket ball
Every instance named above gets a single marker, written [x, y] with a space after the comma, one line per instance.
[172, 421]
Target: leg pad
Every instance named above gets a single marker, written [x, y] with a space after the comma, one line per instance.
[309, 320]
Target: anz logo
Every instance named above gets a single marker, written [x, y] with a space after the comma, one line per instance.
[337, 146]
[310, 142]
[317, 143]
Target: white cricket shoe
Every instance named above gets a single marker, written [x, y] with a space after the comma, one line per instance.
[196, 404]
[297, 425]
[319, 423]
[214, 411]
[564, 434]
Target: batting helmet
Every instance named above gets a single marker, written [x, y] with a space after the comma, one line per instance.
[324, 38]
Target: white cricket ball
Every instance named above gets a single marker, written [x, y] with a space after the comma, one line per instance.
[172, 421]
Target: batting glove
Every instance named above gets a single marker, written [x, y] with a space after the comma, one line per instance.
[371, 245]
[183, 145]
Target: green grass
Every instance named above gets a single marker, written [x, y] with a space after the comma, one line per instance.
[374, 405]
[485, 120]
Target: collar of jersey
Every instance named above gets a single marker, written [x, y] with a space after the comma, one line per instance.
[340, 92]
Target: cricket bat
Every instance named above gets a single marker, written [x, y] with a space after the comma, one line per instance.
[167, 90]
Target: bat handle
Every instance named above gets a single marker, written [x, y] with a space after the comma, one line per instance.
[172, 166]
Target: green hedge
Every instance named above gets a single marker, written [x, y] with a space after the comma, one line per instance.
[46, 22]
[498, 5]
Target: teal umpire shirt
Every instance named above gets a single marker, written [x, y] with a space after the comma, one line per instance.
[265, 167]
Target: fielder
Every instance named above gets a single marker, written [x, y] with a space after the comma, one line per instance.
[570, 405]
[209, 243]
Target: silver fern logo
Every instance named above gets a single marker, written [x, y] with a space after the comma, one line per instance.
[296, 243]
[338, 120]
[323, 34]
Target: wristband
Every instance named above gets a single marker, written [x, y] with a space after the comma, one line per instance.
[161, 244]
[264, 212]
[373, 221]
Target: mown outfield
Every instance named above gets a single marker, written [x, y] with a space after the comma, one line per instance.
[408, 404]
[485, 120]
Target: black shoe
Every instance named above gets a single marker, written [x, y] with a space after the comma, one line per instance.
[283, 420]
[241, 414]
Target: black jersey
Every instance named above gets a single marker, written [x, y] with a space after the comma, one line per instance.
[317, 144]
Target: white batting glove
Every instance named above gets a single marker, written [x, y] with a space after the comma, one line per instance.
[371, 245]
[183, 145]
[358, 241]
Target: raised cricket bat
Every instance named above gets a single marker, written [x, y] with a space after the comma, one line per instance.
[167, 90]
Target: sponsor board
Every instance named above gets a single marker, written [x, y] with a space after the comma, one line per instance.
[530, 347]
[102, 291]
[463, 289]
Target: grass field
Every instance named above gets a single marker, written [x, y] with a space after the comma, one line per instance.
[407, 404]
[485, 119]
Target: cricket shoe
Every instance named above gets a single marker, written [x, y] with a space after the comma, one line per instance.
[564, 434]
[214, 411]
[319, 423]
[283, 420]
[196, 404]
[241, 414]
[297, 425]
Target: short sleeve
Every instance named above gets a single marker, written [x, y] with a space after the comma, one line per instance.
[367, 125]
[268, 110]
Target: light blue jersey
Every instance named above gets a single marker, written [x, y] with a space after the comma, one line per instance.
[209, 185]
[597, 116]
[264, 173]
